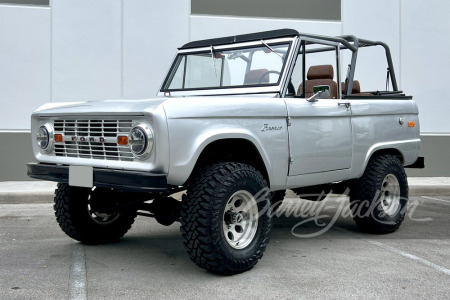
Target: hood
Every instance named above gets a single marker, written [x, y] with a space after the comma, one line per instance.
[104, 107]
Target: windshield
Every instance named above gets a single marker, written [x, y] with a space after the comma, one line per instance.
[252, 66]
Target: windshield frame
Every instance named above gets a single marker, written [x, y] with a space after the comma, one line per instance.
[236, 89]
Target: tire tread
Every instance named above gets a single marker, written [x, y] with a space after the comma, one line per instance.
[199, 213]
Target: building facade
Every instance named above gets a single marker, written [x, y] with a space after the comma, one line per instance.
[80, 50]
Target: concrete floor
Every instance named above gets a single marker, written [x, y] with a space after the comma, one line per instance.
[150, 261]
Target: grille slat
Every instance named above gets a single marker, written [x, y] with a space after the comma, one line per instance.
[93, 128]
[62, 149]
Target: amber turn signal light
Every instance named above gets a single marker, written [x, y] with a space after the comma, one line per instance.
[58, 138]
[411, 124]
[122, 140]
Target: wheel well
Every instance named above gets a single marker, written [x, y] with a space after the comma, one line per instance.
[390, 151]
[236, 150]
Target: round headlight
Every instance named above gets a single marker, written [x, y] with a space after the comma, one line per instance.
[44, 137]
[140, 140]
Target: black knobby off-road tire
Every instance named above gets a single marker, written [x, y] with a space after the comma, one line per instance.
[202, 217]
[74, 218]
[369, 190]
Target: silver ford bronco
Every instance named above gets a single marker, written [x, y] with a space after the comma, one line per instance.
[237, 121]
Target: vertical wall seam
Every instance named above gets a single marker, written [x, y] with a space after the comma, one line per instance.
[342, 17]
[51, 51]
[342, 33]
[189, 21]
[400, 71]
[121, 50]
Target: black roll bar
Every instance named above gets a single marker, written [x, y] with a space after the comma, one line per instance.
[353, 44]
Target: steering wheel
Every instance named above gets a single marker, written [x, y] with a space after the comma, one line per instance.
[266, 73]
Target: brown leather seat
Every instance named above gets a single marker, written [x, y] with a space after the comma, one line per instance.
[256, 76]
[356, 88]
[319, 75]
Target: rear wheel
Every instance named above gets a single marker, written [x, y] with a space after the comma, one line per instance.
[91, 216]
[379, 198]
[226, 218]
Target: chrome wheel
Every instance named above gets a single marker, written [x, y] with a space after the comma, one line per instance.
[101, 217]
[240, 219]
[390, 195]
[97, 208]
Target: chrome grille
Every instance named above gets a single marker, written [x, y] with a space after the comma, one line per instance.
[93, 139]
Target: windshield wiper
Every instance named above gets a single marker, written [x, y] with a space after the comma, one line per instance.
[213, 60]
[271, 49]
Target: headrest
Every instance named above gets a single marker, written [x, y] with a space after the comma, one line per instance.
[254, 76]
[356, 88]
[321, 72]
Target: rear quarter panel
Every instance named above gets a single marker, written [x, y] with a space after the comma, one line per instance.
[376, 125]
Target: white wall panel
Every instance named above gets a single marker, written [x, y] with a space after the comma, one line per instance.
[379, 21]
[426, 60]
[87, 49]
[24, 63]
[153, 30]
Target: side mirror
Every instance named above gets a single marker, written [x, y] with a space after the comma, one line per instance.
[320, 92]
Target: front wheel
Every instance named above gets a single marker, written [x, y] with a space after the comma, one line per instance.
[379, 198]
[226, 218]
[91, 215]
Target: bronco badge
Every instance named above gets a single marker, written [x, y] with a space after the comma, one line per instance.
[266, 127]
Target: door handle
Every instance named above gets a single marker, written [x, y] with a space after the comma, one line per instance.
[346, 103]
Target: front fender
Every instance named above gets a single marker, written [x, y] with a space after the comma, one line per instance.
[194, 123]
[186, 148]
